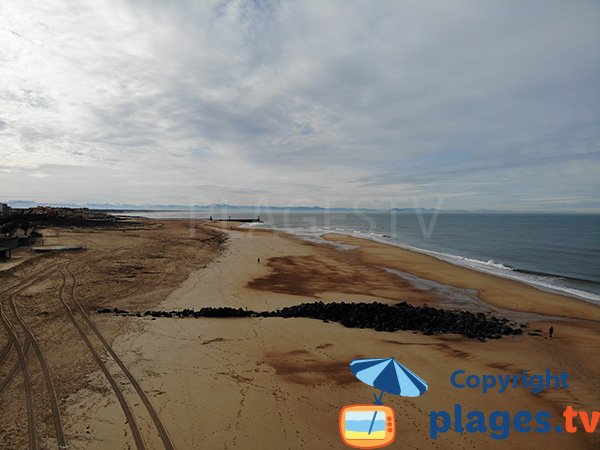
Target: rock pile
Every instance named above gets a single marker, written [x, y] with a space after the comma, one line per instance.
[203, 312]
[377, 316]
[402, 316]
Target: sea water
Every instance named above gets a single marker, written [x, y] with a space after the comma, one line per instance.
[554, 252]
[364, 425]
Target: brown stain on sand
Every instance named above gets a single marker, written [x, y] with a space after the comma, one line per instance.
[324, 346]
[298, 352]
[219, 339]
[310, 275]
[296, 368]
[443, 347]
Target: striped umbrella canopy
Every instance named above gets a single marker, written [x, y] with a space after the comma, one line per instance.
[389, 376]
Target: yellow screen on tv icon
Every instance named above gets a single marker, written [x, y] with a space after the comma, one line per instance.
[367, 426]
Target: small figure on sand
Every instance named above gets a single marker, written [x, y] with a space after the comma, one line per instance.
[258, 259]
[551, 331]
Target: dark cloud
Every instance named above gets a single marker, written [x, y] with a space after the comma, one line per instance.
[472, 99]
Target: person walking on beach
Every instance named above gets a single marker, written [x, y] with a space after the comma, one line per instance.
[551, 331]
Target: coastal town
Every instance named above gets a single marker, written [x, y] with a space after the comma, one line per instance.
[21, 227]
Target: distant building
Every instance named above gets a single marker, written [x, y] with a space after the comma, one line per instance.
[5, 210]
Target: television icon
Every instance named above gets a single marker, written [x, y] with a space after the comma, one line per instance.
[367, 426]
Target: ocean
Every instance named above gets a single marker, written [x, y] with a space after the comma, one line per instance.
[554, 252]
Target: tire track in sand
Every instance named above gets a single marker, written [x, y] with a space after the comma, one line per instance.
[139, 442]
[151, 411]
[31, 432]
[22, 354]
[15, 368]
[58, 428]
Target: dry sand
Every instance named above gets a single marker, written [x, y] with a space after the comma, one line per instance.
[273, 383]
[135, 265]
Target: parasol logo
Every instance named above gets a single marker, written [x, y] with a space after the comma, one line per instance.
[374, 426]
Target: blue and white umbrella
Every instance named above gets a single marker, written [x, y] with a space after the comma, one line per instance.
[388, 375]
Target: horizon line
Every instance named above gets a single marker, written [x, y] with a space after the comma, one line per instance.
[174, 207]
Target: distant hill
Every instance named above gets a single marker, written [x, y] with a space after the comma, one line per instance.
[129, 207]
[216, 206]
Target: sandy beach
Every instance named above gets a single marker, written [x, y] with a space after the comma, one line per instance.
[299, 225]
[275, 383]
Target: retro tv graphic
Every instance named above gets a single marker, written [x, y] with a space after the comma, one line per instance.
[367, 426]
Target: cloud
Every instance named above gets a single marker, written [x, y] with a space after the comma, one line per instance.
[342, 99]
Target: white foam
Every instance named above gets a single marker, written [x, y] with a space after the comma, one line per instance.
[545, 283]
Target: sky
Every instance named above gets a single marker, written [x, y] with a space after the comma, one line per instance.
[374, 104]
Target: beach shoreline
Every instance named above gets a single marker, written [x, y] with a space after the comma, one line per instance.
[496, 291]
[291, 270]
[261, 382]
[558, 263]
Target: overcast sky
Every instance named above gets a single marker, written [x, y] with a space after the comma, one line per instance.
[484, 104]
